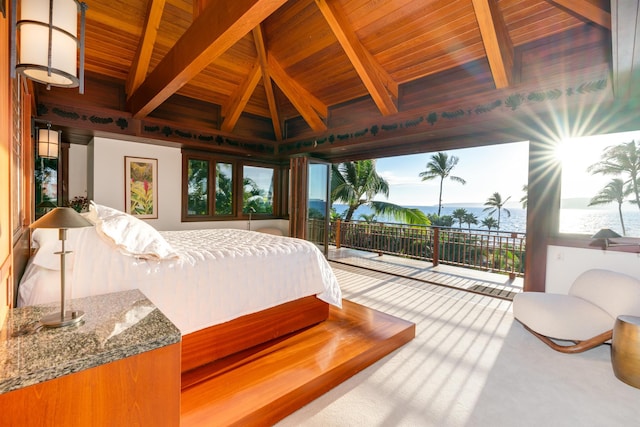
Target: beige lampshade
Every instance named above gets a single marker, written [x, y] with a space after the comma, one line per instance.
[62, 217]
[48, 143]
[48, 51]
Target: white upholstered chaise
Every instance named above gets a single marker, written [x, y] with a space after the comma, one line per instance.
[585, 315]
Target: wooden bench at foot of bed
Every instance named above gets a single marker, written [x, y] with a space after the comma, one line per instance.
[213, 343]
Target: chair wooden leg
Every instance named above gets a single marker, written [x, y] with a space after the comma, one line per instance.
[579, 347]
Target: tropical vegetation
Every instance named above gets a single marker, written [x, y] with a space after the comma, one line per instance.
[357, 183]
[623, 162]
[441, 166]
[614, 191]
[496, 204]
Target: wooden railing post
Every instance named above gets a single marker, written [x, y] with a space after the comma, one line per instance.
[338, 234]
[436, 246]
[512, 273]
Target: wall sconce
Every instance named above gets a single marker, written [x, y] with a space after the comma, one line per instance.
[48, 46]
[48, 142]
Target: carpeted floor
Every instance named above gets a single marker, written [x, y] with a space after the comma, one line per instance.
[471, 364]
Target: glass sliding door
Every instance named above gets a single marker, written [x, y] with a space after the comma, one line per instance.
[318, 203]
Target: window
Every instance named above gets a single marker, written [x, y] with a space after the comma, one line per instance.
[601, 184]
[46, 171]
[198, 187]
[212, 189]
[258, 190]
[224, 189]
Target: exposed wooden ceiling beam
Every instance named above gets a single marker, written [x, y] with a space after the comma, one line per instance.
[587, 10]
[382, 88]
[140, 65]
[239, 101]
[261, 48]
[496, 40]
[625, 40]
[218, 27]
[309, 107]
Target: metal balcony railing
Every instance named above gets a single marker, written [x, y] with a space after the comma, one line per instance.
[495, 251]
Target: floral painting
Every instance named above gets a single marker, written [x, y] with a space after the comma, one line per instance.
[141, 187]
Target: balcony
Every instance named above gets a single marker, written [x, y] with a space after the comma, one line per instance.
[488, 263]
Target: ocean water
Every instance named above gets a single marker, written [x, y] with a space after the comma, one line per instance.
[573, 221]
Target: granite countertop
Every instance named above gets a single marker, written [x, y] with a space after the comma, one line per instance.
[114, 326]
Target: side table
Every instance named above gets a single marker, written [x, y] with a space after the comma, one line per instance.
[625, 350]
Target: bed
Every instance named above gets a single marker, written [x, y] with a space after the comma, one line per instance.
[225, 289]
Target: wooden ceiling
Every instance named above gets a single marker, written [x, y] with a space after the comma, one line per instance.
[334, 77]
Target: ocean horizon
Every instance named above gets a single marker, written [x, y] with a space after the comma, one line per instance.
[572, 221]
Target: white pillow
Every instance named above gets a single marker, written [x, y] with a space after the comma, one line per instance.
[47, 242]
[130, 235]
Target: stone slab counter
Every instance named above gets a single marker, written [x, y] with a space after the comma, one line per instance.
[115, 326]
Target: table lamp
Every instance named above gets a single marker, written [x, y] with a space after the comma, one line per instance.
[62, 219]
[602, 237]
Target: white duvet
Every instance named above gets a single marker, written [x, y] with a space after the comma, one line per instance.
[212, 277]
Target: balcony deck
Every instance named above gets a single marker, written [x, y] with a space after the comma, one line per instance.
[467, 279]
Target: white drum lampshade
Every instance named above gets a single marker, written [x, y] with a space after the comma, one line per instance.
[48, 143]
[46, 34]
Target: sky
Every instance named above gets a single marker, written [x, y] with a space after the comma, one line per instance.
[501, 168]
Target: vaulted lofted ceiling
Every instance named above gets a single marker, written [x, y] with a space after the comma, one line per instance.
[292, 75]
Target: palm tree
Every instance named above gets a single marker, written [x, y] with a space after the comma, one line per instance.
[459, 215]
[525, 199]
[489, 222]
[614, 191]
[441, 166]
[370, 218]
[357, 183]
[495, 203]
[622, 159]
[470, 219]
[442, 221]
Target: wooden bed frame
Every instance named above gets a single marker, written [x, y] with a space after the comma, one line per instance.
[218, 341]
[215, 342]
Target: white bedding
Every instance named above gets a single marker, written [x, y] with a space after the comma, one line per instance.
[218, 274]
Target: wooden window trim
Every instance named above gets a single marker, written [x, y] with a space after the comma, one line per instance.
[280, 176]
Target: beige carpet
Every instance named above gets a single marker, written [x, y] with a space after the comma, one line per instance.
[471, 364]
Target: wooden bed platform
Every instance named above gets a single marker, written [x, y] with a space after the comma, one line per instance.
[264, 384]
[218, 341]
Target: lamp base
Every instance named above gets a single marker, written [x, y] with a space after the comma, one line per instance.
[55, 320]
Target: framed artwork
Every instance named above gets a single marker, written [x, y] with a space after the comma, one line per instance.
[141, 187]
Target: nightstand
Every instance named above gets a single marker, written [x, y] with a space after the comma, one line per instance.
[119, 366]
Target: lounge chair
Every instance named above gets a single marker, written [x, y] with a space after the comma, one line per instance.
[585, 316]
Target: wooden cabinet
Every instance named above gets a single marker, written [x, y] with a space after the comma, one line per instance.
[141, 390]
[119, 367]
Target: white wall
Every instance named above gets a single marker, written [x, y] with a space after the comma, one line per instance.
[103, 168]
[77, 171]
[564, 264]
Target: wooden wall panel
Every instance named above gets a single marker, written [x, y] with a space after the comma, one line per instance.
[5, 163]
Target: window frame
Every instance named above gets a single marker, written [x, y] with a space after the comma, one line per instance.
[237, 167]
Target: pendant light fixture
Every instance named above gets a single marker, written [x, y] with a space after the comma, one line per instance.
[45, 43]
[48, 142]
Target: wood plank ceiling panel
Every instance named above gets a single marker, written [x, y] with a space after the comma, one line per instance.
[412, 42]
[535, 19]
[311, 55]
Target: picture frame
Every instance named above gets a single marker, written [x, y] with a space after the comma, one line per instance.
[141, 187]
